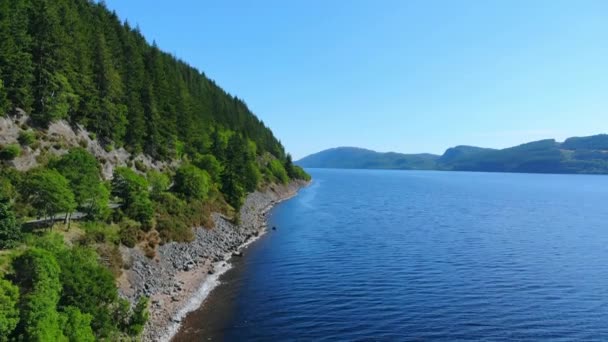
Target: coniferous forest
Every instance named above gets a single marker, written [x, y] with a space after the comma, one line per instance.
[74, 60]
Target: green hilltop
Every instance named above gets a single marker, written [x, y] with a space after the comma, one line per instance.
[575, 155]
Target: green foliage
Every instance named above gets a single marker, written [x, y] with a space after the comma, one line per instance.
[126, 183]
[88, 286]
[87, 290]
[173, 221]
[4, 104]
[139, 317]
[76, 60]
[140, 209]
[132, 189]
[10, 230]
[10, 152]
[9, 312]
[76, 325]
[81, 170]
[240, 173]
[299, 173]
[278, 171]
[159, 182]
[97, 207]
[37, 275]
[26, 138]
[48, 192]
[191, 182]
[209, 163]
[99, 232]
[7, 190]
[130, 232]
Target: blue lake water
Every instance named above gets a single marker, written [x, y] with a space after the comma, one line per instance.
[408, 255]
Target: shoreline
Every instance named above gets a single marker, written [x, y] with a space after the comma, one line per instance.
[183, 275]
[213, 280]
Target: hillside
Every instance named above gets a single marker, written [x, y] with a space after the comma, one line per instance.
[109, 149]
[575, 155]
[358, 158]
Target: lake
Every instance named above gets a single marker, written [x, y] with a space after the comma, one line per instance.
[421, 255]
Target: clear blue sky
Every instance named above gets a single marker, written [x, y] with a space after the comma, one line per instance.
[405, 76]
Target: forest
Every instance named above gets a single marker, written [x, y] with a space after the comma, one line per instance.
[74, 60]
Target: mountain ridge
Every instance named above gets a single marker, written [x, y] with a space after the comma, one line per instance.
[588, 155]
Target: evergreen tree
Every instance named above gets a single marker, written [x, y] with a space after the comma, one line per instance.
[52, 93]
[16, 68]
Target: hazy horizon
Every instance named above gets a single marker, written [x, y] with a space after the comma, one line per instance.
[409, 77]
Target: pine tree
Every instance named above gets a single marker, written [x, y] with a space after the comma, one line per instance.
[16, 69]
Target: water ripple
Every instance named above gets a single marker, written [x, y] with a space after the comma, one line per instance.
[419, 256]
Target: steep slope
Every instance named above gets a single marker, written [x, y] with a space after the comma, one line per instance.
[75, 60]
[110, 149]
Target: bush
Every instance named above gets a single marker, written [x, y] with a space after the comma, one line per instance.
[10, 231]
[139, 317]
[26, 138]
[140, 166]
[171, 229]
[278, 171]
[130, 233]
[141, 210]
[299, 173]
[159, 183]
[209, 163]
[192, 182]
[9, 312]
[97, 232]
[10, 152]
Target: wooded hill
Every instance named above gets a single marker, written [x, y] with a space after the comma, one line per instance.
[574, 155]
[74, 61]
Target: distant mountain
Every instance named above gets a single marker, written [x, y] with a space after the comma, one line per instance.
[575, 155]
[359, 158]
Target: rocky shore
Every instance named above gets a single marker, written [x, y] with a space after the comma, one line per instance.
[179, 278]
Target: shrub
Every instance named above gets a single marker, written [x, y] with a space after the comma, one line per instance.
[209, 163]
[10, 231]
[130, 233]
[140, 166]
[159, 183]
[9, 312]
[152, 240]
[171, 229]
[278, 171]
[191, 182]
[139, 317]
[26, 138]
[97, 232]
[141, 210]
[10, 152]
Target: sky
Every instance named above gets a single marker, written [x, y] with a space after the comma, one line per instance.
[397, 75]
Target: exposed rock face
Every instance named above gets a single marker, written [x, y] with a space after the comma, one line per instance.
[60, 137]
[171, 279]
